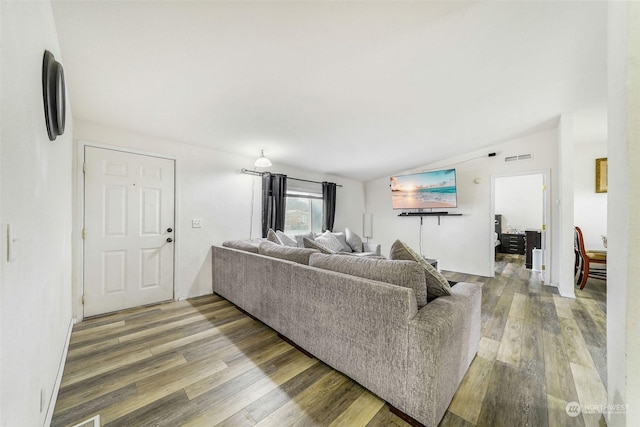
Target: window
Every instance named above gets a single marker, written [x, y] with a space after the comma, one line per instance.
[304, 212]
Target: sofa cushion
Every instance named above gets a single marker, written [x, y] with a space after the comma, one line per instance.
[286, 239]
[309, 235]
[243, 245]
[353, 240]
[329, 241]
[408, 274]
[299, 255]
[437, 284]
[273, 237]
[312, 244]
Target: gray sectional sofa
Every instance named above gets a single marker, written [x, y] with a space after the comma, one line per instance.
[373, 331]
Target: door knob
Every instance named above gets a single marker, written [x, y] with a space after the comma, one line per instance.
[169, 230]
[169, 239]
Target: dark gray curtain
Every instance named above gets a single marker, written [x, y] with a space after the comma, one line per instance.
[274, 200]
[328, 205]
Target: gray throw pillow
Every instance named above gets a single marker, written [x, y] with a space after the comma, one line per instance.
[329, 241]
[309, 235]
[437, 284]
[353, 240]
[311, 244]
[343, 240]
[286, 239]
[273, 237]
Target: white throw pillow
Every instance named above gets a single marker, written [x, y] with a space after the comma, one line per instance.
[273, 237]
[286, 239]
[353, 240]
[343, 239]
[312, 244]
[329, 241]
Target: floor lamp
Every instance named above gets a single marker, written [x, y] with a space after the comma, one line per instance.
[367, 225]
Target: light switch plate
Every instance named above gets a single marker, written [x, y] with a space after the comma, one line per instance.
[196, 223]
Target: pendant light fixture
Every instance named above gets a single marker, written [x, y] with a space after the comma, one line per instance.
[262, 161]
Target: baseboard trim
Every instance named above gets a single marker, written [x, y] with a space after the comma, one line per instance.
[190, 296]
[56, 386]
[571, 294]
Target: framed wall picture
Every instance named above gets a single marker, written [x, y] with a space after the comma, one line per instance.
[601, 175]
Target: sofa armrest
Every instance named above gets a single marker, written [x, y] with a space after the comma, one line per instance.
[371, 247]
[443, 340]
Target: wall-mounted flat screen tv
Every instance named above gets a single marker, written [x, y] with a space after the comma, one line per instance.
[425, 190]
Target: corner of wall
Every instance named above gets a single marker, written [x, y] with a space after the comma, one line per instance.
[36, 200]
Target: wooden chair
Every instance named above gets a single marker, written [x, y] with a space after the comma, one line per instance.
[583, 260]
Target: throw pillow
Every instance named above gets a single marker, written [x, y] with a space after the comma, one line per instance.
[353, 240]
[273, 237]
[309, 235]
[329, 241]
[286, 239]
[437, 284]
[310, 244]
[343, 239]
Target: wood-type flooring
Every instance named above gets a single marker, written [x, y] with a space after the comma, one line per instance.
[202, 362]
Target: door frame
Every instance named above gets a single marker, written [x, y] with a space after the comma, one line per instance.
[77, 290]
[546, 218]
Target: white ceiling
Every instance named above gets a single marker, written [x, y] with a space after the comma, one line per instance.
[357, 89]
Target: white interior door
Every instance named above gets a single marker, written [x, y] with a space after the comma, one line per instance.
[129, 230]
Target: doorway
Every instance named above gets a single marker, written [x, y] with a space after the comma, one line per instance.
[520, 205]
[128, 232]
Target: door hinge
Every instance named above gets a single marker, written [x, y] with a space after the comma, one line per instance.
[544, 267]
[84, 233]
[544, 227]
[82, 299]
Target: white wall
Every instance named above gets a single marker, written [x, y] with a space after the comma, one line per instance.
[210, 187]
[623, 227]
[35, 177]
[563, 237]
[463, 243]
[519, 200]
[590, 208]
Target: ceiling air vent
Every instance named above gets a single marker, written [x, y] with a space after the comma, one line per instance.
[518, 157]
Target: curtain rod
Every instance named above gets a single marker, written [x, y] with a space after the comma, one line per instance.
[250, 172]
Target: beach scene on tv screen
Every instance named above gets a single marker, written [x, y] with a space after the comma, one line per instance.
[424, 190]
